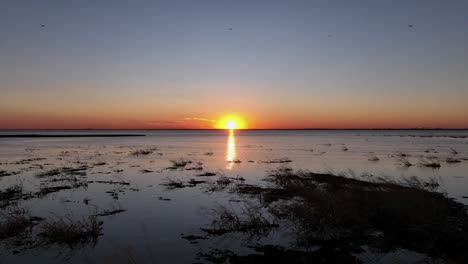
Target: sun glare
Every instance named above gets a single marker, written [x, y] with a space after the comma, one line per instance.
[231, 122]
[231, 125]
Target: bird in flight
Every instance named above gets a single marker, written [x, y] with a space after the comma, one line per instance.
[230, 28]
[42, 25]
[410, 25]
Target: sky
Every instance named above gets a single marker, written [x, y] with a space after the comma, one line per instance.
[272, 64]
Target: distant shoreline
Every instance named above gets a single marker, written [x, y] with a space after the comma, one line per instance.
[68, 136]
[214, 129]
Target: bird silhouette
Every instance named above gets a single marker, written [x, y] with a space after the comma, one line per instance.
[230, 28]
[410, 26]
[42, 25]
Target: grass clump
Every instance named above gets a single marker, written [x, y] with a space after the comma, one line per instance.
[250, 220]
[179, 163]
[64, 171]
[12, 193]
[280, 160]
[142, 152]
[453, 151]
[14, 221]
[405, 162]
[171, 184]
[431, 163]
[68, 231]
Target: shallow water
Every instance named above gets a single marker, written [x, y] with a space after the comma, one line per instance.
[151, 228]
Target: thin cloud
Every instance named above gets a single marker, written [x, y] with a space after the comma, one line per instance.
[199, 119]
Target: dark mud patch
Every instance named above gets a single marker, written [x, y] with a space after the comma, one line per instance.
[206, 174]
[7, 173]
[268, 254]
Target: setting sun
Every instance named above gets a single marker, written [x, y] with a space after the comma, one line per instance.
[231, 122]
[231, 125]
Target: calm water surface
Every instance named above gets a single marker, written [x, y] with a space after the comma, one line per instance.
[151, 227]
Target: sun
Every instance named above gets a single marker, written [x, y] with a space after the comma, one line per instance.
[231, 122]
[231, 125]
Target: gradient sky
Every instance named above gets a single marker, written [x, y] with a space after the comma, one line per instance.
[284, 64]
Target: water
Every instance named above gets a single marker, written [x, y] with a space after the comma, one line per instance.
[151, 227]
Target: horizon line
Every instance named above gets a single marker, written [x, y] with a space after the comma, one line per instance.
[209, 129]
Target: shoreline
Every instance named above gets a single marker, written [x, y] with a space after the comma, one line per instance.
[70, 136]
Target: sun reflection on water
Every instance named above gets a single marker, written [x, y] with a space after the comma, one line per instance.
[231, 150]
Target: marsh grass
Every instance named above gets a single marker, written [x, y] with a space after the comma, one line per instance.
[179, 163]
[452, 160]
[279, 160]
[143, 152]
[115, 209]
[340, 214]
[69, 231]
[430, 163]
[171, 184]
[453, 151]
[71, 184]
[400, 154]
[405, 162]
[15, 221]
[119, 182]
[13, 193]
[63, 172]
[249, 220]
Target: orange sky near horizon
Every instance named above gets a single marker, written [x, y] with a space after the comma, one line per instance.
[339, 119]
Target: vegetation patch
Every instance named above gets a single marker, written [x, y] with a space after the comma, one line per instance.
[340, 216]
[280, 160]
[430, 163]
[452, 160]
[143, 152]
[71, 232]
[64, 171]
[15, 221]
[179, 163]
